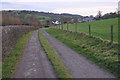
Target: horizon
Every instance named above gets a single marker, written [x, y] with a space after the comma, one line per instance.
[50, 12]
[77, 7]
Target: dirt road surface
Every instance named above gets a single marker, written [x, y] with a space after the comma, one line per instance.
[34, 63]
[78, 65]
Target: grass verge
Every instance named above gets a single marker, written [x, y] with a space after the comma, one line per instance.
[53, 56]
[106, 56]
[10, 63]
[0, 70]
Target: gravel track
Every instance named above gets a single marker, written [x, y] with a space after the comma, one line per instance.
[34, 62]
[78, 65]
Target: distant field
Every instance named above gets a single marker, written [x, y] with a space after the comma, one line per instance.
[99, 29]
[37, 16]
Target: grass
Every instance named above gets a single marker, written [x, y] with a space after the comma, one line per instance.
[53, 56]
[38, 16]
[99, 29]
[28, 15]
[0, 70]
[10, 63]
[106, 56]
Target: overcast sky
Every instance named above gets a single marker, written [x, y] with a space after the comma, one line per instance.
[81, 7]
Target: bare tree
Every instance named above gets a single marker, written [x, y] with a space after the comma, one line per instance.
[91, 16]
[99, 15]
[118, 9]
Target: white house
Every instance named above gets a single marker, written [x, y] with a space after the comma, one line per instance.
[56, 22]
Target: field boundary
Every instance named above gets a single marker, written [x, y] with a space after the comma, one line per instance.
[10, 36]
[10, 63]
[107, 42]
[105, 29]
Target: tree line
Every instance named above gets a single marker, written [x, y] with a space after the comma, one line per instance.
[107, 15]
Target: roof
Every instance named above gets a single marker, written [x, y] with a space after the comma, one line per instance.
[91, 18]
[56, 22]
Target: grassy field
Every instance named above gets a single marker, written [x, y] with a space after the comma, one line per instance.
[99, 29]
[53, 56]
[0, 70]
[106, 56]
[38, 16]
[10, 63]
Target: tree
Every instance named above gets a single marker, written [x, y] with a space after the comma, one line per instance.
[99, 15]
[36, 23]
[91, 16]
[110, 15]
[47, 22]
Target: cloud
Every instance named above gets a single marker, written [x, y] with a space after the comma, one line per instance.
[25, 6]
[82, 8]
[60, 0]
[87, 10]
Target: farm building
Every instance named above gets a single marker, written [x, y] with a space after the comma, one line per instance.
[56, 22]
[88, 19]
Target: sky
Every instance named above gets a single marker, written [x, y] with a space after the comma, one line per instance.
[81, 7]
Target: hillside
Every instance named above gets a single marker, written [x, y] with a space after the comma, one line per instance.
[41, 17]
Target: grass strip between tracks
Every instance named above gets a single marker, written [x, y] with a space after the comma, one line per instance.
[53, 56]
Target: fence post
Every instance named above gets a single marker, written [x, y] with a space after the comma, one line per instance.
[67, 26]
[62, 26]
[89, 29]
[75, 27]
[111, 34]
[59, 27]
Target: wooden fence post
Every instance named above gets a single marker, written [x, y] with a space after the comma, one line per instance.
[55, 27]
[111, 34]
[59, 27]
[62, 26]
[89, 29]
[67, 26]
[75, 27]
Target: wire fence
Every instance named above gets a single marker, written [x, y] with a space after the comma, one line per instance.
[89, 30]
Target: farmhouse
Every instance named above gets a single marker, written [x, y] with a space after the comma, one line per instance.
[56, 22]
